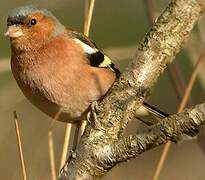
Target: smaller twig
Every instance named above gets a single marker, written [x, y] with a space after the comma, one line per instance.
[191, 81]
[51, 155]
[161, 161]
[201, 75]
[89, 7]
[151, 11]
[66, 138]
[177, 81]
[82, 128]
[20, 148]
[77, 135]
[55, 118]
[169, 128]
[65, 144]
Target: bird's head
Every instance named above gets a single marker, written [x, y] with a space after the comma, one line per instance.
[29, 27]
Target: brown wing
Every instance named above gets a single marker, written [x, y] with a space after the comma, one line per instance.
[95, 56]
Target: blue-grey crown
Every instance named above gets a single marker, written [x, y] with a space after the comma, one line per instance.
[17, 15]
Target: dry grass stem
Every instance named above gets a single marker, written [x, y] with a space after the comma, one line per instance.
[20, 148]
[55, 119]
[65, 144]
[51, 155]
[89, 7]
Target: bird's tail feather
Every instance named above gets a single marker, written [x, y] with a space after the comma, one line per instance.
[160, 114]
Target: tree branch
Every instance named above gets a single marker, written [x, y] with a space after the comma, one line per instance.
[169, 128]
[158, 49]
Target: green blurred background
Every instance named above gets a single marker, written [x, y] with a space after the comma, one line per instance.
[117, 28]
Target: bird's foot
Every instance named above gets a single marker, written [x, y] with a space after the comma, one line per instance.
[93, 112]
[73, 154]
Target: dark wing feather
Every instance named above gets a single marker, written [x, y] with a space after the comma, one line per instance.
[96, 58]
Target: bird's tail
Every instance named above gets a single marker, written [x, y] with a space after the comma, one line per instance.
[160, 114]
[156, 112]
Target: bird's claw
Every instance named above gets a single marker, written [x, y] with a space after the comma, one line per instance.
[73, 154]
[95, 107]
[88, 117]
[93, 112]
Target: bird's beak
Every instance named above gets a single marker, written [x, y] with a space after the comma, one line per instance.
[14, 31]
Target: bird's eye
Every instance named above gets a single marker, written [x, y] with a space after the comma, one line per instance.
[33, 22]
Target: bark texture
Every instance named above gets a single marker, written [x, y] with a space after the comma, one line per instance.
[103, 145]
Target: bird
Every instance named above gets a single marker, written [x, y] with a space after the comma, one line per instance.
[58, 68]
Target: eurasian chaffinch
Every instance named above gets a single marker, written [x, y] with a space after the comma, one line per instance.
[57, 69]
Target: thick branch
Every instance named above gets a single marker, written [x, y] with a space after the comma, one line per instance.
[169, 128]
[158, 49]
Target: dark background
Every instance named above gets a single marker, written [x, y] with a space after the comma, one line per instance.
[117, 28]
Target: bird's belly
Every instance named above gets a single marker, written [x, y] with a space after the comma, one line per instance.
[61, 106]
[69, 93]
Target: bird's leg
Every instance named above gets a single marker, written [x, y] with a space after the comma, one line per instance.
[76, 136]
[76, 139]
[150, 115]
[75, 142]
